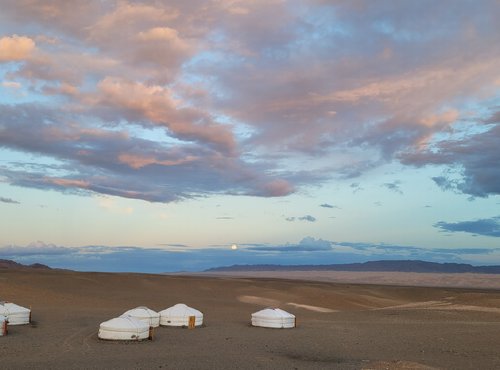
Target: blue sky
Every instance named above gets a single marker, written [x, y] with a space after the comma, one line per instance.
[141, 136]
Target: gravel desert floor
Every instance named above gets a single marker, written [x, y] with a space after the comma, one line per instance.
[340, 325]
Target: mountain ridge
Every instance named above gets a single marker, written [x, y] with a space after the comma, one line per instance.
[9, 264]
[418, 266]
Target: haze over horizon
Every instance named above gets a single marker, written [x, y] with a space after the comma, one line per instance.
[164, 136]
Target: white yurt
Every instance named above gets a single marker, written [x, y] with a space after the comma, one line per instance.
[150, 317]
[181, 315]
[124, 328]
[16, 315]
[3, 325]
[273, 318]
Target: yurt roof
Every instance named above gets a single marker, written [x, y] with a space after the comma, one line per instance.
[142, 312]
[124, 323]
[272, 312]
[10, 308]
[180, 309]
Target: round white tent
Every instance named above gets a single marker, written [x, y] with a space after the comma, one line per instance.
[3, 325]
[181, 315]
[273, 318]
[144, 314]
[124, 328]
[16, 315]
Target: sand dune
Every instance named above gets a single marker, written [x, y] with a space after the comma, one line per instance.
[341, 326]
[259, 300]
[309, 307]
[442, 305]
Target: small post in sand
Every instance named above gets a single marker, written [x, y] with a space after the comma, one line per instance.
[151, 333]
[192, 322]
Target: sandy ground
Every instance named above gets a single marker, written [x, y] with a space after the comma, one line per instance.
[340, 326]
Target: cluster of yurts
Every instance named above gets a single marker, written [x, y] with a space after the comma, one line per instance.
[138, 323]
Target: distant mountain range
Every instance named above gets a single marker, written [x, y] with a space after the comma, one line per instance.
[385, 266]
[8, 264]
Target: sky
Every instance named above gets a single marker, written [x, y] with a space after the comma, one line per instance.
[177, 136]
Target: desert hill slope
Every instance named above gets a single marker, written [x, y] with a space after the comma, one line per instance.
[9, 264]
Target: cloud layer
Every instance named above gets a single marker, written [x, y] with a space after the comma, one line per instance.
[167, 101]
[309, 251]
[486, 227]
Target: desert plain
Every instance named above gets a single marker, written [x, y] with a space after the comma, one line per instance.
[341, 324]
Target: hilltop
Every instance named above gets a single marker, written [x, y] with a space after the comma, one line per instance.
[12, 265]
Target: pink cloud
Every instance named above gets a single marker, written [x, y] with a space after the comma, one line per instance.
[67, 183]
[11, 84]
[138, 161]
[162, 34]
[277, 188]
[133, 15]
[156, 104]
[15, 48]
